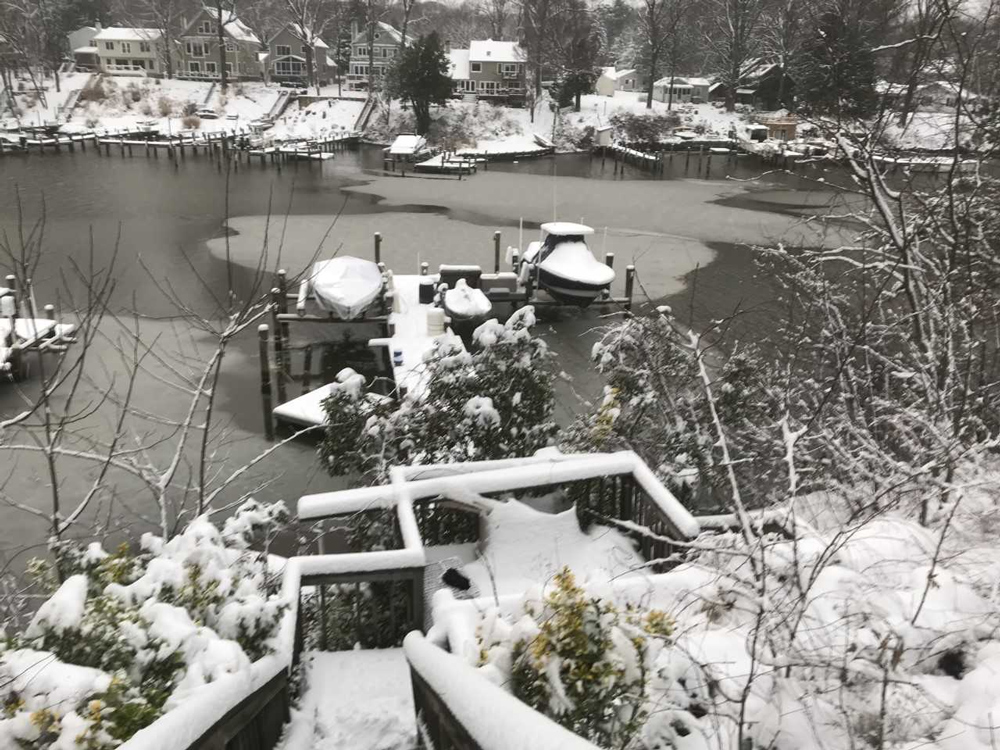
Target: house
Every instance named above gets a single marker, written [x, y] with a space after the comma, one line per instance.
[781, 125]
[612, 80]
[199, 48]
[686, 89]
[289, 57]
[765, 86]
[458, 69]
[80, 44]
[129, 51]
[386, 41]
[944, 95]
[497, 69]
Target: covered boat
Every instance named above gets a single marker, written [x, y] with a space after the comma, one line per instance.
[346, 286]
[565, 267]
[465, 303]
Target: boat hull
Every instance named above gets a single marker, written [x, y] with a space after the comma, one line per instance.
[569, 291]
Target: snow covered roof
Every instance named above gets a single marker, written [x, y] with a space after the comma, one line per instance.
[459, 64]
[304, 35]
[407, 144]
[683, 81]
[127, 34]
[491, 51]
[85, 51]
[233, 26]
[616, 75]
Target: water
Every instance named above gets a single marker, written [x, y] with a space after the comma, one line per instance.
[165, 230]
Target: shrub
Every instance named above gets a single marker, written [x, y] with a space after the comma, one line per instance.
[585, 664]
[165, 106]
[146, 109]
[192, 122]
[646, 128]
[134, 93]
[95, 93]
[189, 109]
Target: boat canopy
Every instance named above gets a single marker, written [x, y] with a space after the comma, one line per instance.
[573, 262]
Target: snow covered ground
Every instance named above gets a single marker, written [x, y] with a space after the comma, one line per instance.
[353, 700]
[318, 120]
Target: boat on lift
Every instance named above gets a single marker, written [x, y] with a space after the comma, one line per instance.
[565, 267]
[344, 286]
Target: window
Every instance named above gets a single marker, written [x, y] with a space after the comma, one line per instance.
[378, 35]
[288, 68]
[362, 52]
[139, 64]
[126, 47]
[507, 69]
[206, 27]
[282, 50]
[121, 63]
[229, 68]
[467, 86]
[196, 49]
[230, 47]
[488, 87]
[211, 67]
[304, 49]
[194, 67]
[477, 67]
[109, 45]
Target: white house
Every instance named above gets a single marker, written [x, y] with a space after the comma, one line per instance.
[685, 89]
[125, 50]
[612, 80]
[81, 46]
[458, 69]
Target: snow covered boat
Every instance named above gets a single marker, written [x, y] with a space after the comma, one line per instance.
[465, 303]
[346, 286]
[565, 267]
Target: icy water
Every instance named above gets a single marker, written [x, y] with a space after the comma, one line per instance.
[164, 230]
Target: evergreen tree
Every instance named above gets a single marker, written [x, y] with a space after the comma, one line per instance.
[835, 74]
[580, 45]
[420, 76]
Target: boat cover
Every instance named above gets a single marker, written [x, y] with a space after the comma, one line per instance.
[345, 286]
[573, 261]
[465, 302]
[566, 228]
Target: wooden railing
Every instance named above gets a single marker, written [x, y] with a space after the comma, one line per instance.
[255, 723]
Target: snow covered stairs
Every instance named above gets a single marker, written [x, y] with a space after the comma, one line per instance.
[354, 700]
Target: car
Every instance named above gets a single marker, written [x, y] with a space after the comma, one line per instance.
[207, 114]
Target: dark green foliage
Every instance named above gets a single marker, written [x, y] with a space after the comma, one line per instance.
[835, 72]
[420, 77]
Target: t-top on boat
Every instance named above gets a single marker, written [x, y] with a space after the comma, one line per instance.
[565, 267]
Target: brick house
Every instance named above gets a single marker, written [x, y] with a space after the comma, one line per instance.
[199, 48]
[288, 56]
[129, 51]
[387, 41]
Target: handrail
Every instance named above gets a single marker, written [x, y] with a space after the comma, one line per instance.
[458, 707]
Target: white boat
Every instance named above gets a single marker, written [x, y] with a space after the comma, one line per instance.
[346, 286]
[564, 265]
[465, 303]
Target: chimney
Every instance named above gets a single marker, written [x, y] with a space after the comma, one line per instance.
[97, 25]
[354, 28]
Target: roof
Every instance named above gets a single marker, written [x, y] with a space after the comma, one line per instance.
[85, 50]
[298, 33]
[407, 144]
[614, 75]
[395, 37]
[683, 81]
[127, 34]
[232, 25]
[566, 228]
[459, 64]
[491, 51]
[746, 91]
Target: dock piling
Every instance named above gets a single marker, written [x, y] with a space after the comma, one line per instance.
[629, 285]
[265, 381]
[378, 247]
[496, 252]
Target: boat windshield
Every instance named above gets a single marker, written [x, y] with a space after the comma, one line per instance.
[554, 240]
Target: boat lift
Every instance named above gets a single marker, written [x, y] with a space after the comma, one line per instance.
[409, 311]
[22, 331]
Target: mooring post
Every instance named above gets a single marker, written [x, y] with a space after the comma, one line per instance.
[496, 252]
[307, 361]
[424, 267]
[265, 381]
[629, 284]
[609, 260]
[378, 247]
[514, 256]
[279, 346]
[283, 288]
[50, 314]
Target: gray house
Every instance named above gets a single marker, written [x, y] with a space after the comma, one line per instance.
[386, 43]
[199, 48]
[293, 50]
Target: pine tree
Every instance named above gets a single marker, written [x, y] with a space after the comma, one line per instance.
[420, 76]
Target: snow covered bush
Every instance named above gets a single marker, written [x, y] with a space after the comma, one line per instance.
[125, 637]
[579, 660]
[493, 402]
[639, 129]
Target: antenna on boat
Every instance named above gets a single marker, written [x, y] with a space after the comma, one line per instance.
[555, 212]
[604, 242]
[520, 234]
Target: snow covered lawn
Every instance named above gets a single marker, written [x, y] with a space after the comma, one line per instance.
[354, 700]
[318, 120]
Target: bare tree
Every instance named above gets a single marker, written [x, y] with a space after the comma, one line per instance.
[538, 19]
[659, 23]
[732, 35]
[497, 14]
[308, 20]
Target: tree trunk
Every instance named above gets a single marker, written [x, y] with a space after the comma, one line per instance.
[310, 67]
[223, 78]
[168, 57]
[576, 105]
[670, 94]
